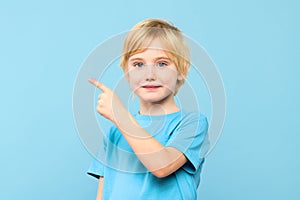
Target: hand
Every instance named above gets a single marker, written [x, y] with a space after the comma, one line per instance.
[108, 102]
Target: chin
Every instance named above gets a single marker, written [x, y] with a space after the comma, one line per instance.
[154, 99]
[150, 100]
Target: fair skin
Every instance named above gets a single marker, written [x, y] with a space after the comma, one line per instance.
[100, 186]
[153, 77]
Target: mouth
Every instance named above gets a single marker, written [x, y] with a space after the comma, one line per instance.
[151, 87]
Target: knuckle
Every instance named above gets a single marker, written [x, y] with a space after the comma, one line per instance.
[100, 96]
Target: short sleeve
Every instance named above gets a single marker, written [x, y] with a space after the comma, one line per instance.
[96, 168]
[188, 139]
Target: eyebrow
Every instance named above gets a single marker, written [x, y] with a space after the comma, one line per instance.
[155, 59]
[162, 57]
[133, 59]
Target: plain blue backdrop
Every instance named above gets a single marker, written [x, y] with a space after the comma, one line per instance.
[255, 44]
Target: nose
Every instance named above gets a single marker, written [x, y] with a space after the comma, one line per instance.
[150, 73]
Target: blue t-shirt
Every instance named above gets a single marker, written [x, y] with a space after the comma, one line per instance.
[126, 178]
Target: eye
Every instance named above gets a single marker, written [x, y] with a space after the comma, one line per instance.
[138, 64]
[162, 64]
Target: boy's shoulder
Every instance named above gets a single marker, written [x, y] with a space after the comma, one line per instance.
[193, 116]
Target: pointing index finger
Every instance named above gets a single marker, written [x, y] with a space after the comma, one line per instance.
[99, 85]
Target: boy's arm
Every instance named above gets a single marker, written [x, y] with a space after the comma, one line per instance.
[160, 160]
[100, 187]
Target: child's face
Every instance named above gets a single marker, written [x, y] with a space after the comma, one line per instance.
[152, 75]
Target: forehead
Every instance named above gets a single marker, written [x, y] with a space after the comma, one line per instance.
[154, 49]
[150, 54]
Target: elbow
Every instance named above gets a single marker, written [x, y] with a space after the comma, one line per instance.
[160, 173]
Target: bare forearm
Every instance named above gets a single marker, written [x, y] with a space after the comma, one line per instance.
[160, 160]
[100, 188]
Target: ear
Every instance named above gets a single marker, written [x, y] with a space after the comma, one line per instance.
[180, 77]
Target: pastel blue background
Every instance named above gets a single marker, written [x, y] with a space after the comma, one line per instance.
[255, 44]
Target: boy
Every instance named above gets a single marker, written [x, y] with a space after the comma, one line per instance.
[161, 160]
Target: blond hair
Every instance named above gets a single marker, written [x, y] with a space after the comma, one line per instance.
[143, 33]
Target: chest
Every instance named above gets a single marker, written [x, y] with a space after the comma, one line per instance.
[161, 130]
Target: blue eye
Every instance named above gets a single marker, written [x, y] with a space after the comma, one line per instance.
[139, 64]
[162, 64]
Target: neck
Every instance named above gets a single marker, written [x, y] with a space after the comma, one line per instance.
[149, 108]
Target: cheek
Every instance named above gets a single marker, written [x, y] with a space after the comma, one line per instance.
[133, 79]
[169, 78]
